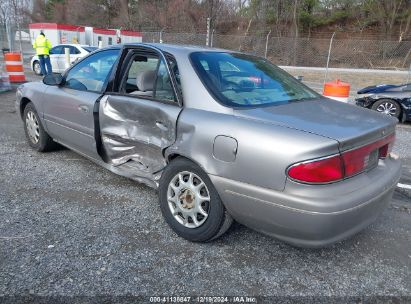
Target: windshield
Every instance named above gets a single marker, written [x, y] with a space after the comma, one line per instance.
[241, 80]
[89, 48]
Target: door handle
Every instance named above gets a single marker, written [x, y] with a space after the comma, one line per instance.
[83, 108]
[161, 125]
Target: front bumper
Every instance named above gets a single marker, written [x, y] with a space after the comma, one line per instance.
[312, 215]
[364, 102]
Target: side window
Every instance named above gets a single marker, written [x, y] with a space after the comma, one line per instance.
[175, 71]
[63, 49]
[147, 76]
[57, 50]
[164, 88]
[74, 50]
[91, 74]
[141, 76]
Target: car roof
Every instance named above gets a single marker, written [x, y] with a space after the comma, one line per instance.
[179, 48]
[75, 44]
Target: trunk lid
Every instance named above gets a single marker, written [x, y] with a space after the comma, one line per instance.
[350, 125]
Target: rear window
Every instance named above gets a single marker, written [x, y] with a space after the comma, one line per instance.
[240, 80]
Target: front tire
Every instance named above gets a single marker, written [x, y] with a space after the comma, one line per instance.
[387, 106]
[190, 204]
[37, 68]
[36, 136]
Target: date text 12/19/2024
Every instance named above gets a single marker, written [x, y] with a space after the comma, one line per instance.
[205, 299]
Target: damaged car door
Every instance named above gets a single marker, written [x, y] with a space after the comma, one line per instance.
[138, 120]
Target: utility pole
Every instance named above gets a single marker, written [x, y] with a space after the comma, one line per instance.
[266, 44]
[161, 34]
[9, 34]
[212, 38]
[328, 58]
[208, 31]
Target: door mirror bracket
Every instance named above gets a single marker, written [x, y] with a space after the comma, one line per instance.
[54, 79]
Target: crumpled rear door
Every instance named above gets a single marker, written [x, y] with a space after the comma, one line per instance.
[135, 131]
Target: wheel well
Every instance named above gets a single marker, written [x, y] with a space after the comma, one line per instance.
[23, 103]
[173, 156]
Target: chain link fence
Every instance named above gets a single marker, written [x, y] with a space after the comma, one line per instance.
[284, 51]
[306, 52]
[360, 62]
[391, 59]
[17, 41]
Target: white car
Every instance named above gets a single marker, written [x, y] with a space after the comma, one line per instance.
[57, 57]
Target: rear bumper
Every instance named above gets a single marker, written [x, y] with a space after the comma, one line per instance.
[312, 216]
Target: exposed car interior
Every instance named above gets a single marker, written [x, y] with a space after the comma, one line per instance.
[241, 80]
[147, 76]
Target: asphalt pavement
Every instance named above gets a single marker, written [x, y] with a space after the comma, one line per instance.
[72, 230]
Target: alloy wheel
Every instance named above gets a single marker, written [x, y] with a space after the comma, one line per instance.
[33, 128]
[387, 108]
[37, 68]
[188, 199]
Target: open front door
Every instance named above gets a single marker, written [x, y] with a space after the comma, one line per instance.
[139, 121]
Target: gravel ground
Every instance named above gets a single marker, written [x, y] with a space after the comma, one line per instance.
[71, 228]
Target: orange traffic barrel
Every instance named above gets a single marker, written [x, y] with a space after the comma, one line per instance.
[337, 90]
[14, 67]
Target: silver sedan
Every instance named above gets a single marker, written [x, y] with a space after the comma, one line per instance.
[222, 135]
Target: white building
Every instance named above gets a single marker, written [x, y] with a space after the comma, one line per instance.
[64, 33]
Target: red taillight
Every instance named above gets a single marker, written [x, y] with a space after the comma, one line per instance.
[319, 171]
[357, 160]
[344, 165]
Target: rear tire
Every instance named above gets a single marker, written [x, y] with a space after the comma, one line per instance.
[37, 68]
[190, 204]
[387, 106]
[36, 136]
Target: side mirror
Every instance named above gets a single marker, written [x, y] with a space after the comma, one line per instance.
[299, 78]
[54, 79]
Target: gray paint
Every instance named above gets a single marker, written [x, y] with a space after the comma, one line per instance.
[140, 136]
[312, 216]
[68, 115]
[225, 148]
[350, 125]
[264, 150]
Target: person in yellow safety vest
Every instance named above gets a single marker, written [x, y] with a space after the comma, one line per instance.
[42, 46]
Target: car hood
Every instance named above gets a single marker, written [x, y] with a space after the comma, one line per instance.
[350, 125]
[380, 89]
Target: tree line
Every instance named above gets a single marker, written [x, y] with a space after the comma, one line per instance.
[383, 19]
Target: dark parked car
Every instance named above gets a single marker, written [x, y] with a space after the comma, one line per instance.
[393, 100]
